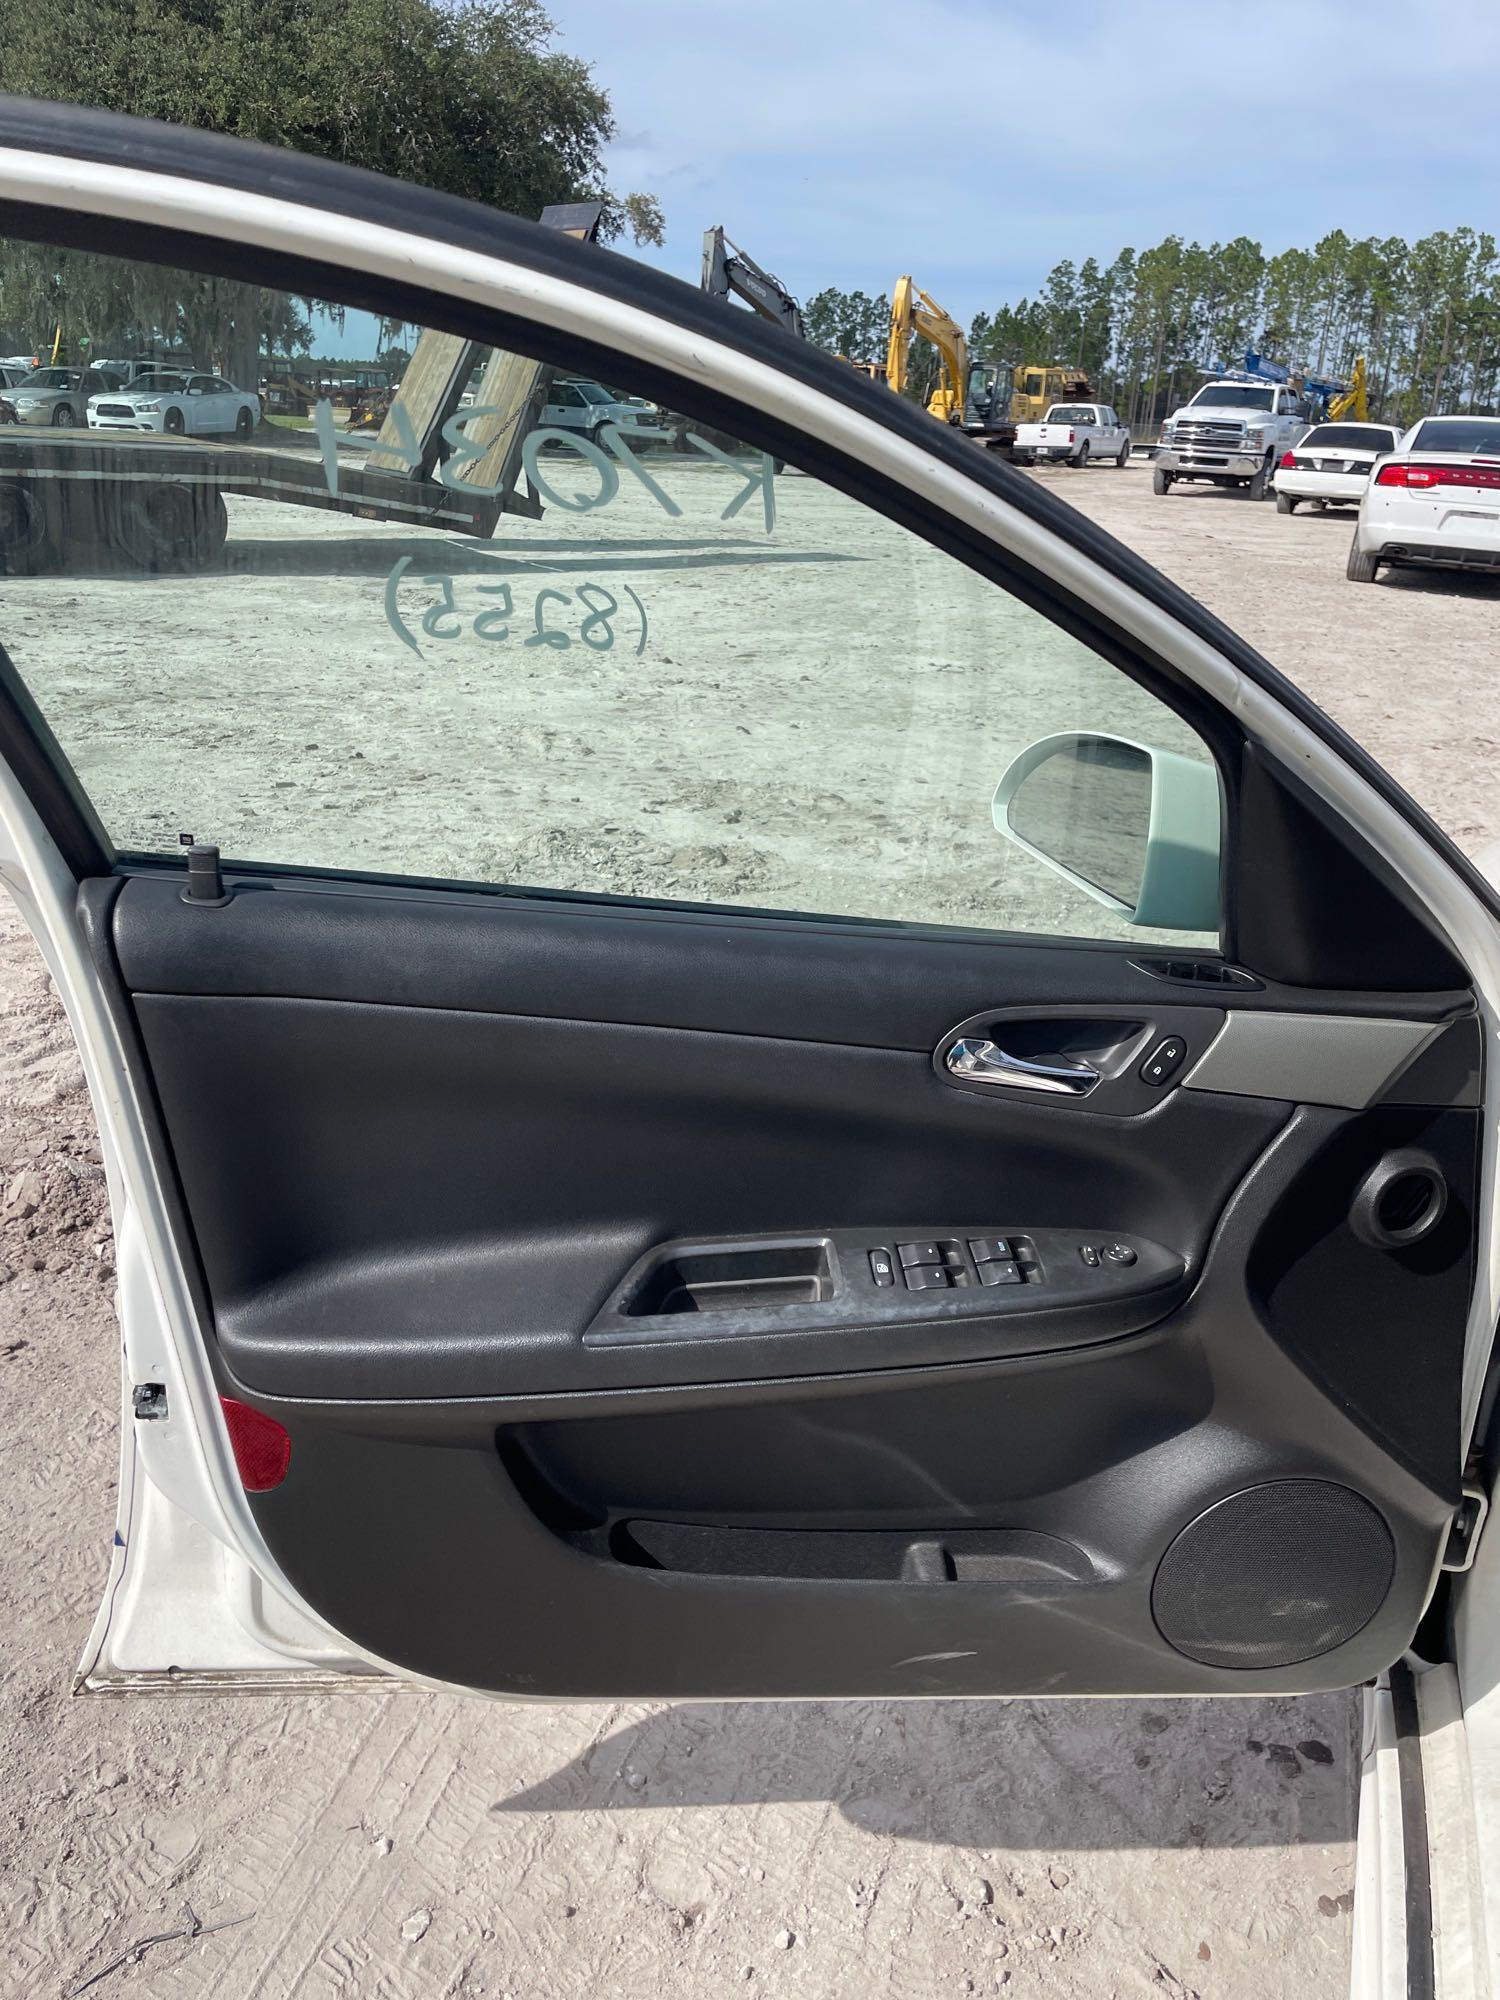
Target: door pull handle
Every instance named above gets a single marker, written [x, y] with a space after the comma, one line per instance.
[987, 1062]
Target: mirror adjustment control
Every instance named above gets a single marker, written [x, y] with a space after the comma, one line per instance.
[881, 1268]
[925, 1252]
[926, 1277]
[1118, 1253]
[1164, 1060]
[989, 1249]
[1000, 1271]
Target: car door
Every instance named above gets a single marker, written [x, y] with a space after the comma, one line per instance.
[797, 1077]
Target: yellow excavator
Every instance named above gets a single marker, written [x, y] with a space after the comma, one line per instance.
[1354, 403]
[913, 312]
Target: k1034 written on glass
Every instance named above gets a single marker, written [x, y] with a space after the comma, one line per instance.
[606, 460]
[587, 615]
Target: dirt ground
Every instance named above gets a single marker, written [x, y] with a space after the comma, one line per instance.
[411, 1844]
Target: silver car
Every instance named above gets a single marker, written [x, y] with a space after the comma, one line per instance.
[59, 395]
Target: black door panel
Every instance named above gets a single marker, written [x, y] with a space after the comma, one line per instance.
[424, 1141]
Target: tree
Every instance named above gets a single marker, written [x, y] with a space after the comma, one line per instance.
[466, 97]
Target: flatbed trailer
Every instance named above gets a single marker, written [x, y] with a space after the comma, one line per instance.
[158, 502]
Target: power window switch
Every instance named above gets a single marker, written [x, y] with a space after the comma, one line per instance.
[989, 1249]
[1089, 1254]
[926, 1277]
[926, 1252]
[1000, 1272]
[882, 1270]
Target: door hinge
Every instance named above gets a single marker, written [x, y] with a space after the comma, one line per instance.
[1464, 1529]
[149, 1401]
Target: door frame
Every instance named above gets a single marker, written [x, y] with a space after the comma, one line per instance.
[987, 505]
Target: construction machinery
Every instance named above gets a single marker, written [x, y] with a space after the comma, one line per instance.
[1035, 388]
[730, 272]
[914, 312]
[1354, 402]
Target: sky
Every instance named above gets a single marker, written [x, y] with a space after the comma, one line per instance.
[974, 143]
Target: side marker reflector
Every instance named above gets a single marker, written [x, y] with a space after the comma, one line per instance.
[262, 1448]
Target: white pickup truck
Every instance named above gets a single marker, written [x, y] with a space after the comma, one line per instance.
[1074, 432]
[1232, 433]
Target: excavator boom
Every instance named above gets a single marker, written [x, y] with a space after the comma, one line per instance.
[729, 271]
[914, 312]
[1355, 401]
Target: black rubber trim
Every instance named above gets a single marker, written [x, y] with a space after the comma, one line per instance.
[350, 192]
[48, 779]
[1421, 1968]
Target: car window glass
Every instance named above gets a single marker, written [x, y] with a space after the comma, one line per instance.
[674, 668]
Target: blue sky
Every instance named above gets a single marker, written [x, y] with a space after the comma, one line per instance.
[973, 143]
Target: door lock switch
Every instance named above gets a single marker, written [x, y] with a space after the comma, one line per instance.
[1164, 1060]
[926, 1277]
[925, 1252]
[1000, 1271]
[882, 1270]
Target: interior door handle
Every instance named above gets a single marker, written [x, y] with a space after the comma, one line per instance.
[987, 1062]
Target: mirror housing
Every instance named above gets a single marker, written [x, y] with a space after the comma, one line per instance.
[1150, 853]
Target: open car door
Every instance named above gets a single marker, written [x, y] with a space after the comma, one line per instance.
[793, 1077]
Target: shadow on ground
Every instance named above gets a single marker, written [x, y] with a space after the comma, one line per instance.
[974, 1774]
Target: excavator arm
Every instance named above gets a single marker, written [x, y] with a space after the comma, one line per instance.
[913, 312]
[729, 271]
[1355, 401]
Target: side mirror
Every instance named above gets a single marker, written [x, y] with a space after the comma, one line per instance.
[1133, 827]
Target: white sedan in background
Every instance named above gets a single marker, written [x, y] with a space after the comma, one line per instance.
[178, 405]
[1435, 500]
[1329, 465]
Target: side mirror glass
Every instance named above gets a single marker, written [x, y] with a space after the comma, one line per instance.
[1134, 827]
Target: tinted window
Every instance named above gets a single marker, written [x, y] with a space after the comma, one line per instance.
[1353, 437]
[1460, 434]
[1236, 396]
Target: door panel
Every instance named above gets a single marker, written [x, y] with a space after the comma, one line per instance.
[655, 1300]
[441, 1173]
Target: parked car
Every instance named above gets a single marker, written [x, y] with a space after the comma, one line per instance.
[1434, 502]
[1028, 1229]
[1075, 433]
[59, 395]
[193, 405]
[1330, 465]
[12, 372]
[1231, 433]
[574, 405]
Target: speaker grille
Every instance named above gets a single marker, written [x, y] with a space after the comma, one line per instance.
[1274, 1575]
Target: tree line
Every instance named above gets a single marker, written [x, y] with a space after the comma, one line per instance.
[1145, 327]
[464, 95]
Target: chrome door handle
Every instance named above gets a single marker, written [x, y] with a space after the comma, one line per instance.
[987, 1062]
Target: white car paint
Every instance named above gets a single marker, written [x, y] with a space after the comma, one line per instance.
[1331, 463]
[192, 405]
[1434, 500]
[575, 405]
[1075, 432]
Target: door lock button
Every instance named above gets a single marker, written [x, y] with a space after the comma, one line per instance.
[881, 1268]
[926, 1277]
[1164, 1060]
[919, 1253]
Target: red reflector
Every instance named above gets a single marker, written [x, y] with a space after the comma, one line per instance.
[1287, 459]
[262, 1448]
[1422, 476]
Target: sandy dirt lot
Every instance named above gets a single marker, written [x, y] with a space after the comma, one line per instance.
[411, 1844]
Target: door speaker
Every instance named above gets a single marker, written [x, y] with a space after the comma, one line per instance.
[1273, 1576]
